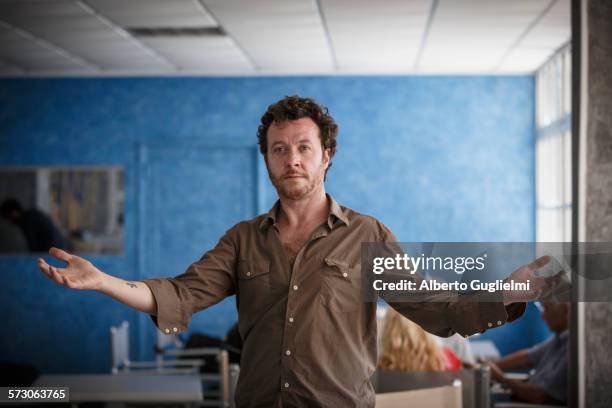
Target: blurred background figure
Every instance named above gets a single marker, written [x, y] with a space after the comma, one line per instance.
[12, 239]
[548, 383]
[405, 346]
[39, 230]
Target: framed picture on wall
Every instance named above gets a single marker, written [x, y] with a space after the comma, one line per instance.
[80, 209]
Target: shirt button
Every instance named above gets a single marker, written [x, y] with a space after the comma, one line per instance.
[490, 324]
[174, 329]
[288, 352]
[295, 287]
[286, 385]
[499, 322]
[345, 274]
[249, 273]
[291, 320]
[167, 331]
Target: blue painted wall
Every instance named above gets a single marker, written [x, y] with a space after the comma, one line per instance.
[434, 158]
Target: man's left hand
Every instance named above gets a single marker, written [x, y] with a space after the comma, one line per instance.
[539, 287]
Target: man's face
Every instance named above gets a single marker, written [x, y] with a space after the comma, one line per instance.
[555, 315]
[295, 158]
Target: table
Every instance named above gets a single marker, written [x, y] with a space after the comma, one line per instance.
[128, 388]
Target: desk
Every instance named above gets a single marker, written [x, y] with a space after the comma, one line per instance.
[129, 387]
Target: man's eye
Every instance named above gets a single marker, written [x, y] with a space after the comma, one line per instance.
[278, 150]
[305, 147]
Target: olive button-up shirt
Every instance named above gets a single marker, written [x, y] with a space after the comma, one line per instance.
[309, 339]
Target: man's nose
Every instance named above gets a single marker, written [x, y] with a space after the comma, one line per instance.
[293, 159]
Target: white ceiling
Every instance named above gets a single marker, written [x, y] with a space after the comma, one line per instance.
[280, 37]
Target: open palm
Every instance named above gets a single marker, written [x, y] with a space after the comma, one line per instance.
[79, 273]
[539, 288]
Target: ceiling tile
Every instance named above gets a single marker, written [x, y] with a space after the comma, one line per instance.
[74, 29]
[23, 10]
[276, 33]
[377, 36]
[525, 60]
[30, 55]
[279, 37]
[204, 53]
[553, 30]
[476, 34]
[154, 13]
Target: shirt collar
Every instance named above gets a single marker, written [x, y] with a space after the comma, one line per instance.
[335, 212]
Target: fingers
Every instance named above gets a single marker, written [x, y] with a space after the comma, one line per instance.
[47, 269]
[540, 262]
[44, 267]
[60, 254]
[53, 273]
[547, 286]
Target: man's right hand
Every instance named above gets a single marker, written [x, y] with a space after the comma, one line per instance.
[79, 274]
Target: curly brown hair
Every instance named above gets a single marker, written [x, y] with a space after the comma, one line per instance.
[293, 108]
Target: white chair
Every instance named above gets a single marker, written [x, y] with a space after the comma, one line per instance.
[475, 389]
[448, 396]
[524, 405]
[121, 363]
[234, 372]
[170, 345]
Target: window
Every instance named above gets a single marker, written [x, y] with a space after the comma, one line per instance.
[554, 149]
[79, 209]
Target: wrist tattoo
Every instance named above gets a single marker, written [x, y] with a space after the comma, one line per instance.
[131, 285]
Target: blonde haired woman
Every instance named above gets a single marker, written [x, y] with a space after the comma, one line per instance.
[407, 347]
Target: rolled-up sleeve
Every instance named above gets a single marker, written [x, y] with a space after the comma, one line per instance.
[471, 316]
[463, 316]
[205, 282]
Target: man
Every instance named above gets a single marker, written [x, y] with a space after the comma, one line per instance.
[549, 358]
[308, 338]
[12, 240]
[40, 231]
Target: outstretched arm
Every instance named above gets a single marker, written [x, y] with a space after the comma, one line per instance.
[83, 275]
[516, 360]
[446, 312]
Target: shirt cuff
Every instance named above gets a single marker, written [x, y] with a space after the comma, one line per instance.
[492, 314]
[473, 314]
[495, 314]
[171, 318]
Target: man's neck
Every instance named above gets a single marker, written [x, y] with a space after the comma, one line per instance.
[309, 209]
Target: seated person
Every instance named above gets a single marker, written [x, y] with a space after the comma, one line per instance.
[39, 229]
[549, 358]
[12, 239]
[407, 347]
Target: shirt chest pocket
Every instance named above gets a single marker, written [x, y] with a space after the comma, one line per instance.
[253, 283]
[340, 286]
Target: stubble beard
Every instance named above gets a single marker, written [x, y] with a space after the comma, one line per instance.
[295, 191]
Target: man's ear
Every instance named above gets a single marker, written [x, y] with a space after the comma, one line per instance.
[326, 157]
